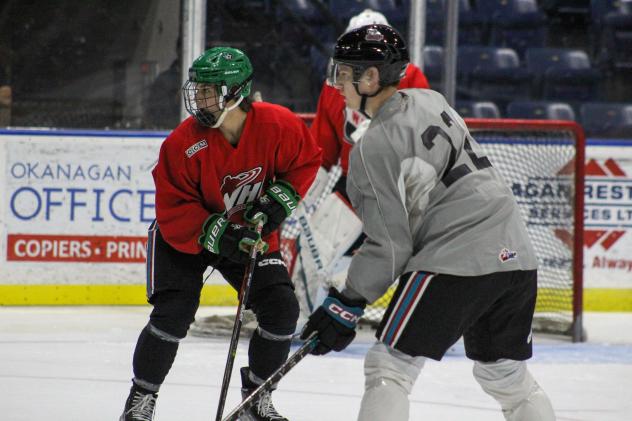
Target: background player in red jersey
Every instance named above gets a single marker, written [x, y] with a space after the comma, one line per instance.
[220, 171]
[337, 127]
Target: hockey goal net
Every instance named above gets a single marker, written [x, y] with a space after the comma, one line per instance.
[543, 162]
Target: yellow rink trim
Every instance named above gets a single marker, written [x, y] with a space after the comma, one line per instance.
[595, 299]
[50, 295]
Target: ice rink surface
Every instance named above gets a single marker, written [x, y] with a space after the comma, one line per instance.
[74, 363]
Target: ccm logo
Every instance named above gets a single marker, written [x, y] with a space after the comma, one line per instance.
[343, 314]
[195, 148]
[267, 262]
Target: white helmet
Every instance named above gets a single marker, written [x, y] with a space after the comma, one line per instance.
[366, 17]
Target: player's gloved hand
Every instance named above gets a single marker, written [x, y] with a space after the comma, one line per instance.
[335, 320]
[230, 240]
[276, 204]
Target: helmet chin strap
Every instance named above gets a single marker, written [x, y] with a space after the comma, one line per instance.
[364, 97]
[225, 111]
[226, 97]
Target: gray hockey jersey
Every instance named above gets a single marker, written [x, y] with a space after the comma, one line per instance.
[429, 199]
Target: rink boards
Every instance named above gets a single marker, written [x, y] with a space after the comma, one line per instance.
[76, 204]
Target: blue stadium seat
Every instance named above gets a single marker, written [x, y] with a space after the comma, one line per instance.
[540, 110]
[607, 119]
[492, 74]
[563, 73]
[517, 24]
[477, 109]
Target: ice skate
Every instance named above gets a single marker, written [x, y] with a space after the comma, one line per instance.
[262, 410]
[140, 405]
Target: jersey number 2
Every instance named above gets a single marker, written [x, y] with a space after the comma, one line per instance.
[450, 175]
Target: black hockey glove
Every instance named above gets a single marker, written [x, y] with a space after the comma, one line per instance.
[335, 320]
[278, 202]
[230, 240]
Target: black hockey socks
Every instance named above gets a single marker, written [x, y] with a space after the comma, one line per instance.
[154, 354]
[267, 352]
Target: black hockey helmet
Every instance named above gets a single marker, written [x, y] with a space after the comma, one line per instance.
[372, 45]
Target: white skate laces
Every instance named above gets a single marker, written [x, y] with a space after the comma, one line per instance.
[143, 406]
[266, 409]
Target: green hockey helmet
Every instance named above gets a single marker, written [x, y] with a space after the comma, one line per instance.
[217, 77]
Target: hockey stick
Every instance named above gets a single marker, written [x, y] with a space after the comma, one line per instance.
[234, 339]
[297, 223]
[306, 230]
[310, 343]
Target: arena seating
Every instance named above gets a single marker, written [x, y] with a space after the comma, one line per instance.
[516, 24]
[477, 109]
[471, 25]
[541, 110]
[613, 45]
[492, 73]
[562, 74]
[606, 119]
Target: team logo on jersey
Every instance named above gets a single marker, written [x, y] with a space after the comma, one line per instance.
[506, 255]
[239, 189]
[373, 34]
[196, 148]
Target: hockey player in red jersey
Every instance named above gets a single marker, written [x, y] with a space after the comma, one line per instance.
[337, 127]
[222, 170]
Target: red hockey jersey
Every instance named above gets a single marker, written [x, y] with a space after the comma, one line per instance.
[199, 172]
[334, 123]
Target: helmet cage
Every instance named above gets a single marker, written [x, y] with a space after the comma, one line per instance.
[198, 102]
[218, 76]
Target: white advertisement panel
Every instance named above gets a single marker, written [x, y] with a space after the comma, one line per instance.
[75, 206]
[608, 215]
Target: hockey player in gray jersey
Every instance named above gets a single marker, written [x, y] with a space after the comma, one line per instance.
[439, 217]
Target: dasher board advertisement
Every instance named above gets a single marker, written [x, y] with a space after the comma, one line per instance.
[75, 210]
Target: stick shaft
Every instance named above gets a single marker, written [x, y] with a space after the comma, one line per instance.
[294, 359]
[234, 339]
